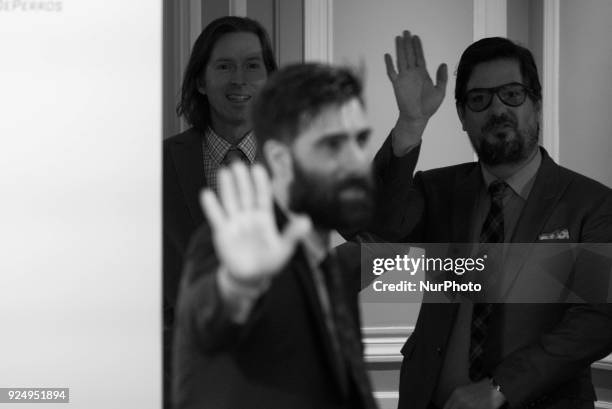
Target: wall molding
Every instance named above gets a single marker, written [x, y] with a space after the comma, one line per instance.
[550, 79]
[383, 344]
[318, 31]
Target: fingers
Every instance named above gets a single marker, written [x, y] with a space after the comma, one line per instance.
[263, 190]
[244, 185]
[418, 52]
[227, 191]
[409, 50]
[442, 77]
[212, 209]
[241, 188]
[409, 53]
[391, 73]
[400, 54]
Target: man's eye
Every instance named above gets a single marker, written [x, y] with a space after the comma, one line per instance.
[254, 66]
[332, 144]
[477, 98]
[363, 138]
[512, 93]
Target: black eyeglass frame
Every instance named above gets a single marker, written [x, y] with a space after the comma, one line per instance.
[495, 91]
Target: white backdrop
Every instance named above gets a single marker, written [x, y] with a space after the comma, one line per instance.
[80, 166]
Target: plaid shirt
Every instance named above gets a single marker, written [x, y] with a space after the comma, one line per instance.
[215, 148]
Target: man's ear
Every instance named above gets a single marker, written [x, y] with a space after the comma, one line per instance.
[461, 113]
[280, 162]
[538, 107]
[200, 86]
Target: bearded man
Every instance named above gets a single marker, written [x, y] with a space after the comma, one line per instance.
[267, 314]
[467, 354]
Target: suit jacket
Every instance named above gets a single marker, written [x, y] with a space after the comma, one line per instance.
[183, 168]
[282, 357]
[183, 178]
[540, 354]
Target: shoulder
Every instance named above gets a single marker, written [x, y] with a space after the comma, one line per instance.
[447, 175]
[581, 184]
[191, 135]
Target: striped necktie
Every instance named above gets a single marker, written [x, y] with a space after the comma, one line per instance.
[492, 232]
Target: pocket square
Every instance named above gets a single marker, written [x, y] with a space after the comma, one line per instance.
[560, 234]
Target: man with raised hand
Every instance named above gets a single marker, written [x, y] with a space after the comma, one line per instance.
[491, 355]
[267, 314]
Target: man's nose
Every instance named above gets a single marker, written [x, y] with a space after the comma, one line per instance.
[355, 158]
[497, 106]
[238, 76]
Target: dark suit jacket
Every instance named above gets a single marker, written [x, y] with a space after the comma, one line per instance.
[539, 353]
[183, 167]
[183, 178]
[282, 357]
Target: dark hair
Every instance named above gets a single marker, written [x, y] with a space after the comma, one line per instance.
[496, 48]
[296, 94]
[193, 105]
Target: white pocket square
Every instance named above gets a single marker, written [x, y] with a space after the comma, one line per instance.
[560, 234]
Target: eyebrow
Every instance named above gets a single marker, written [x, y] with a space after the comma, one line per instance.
[341, 135]
[253, 56]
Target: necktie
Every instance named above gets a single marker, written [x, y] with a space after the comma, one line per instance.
[234, 154]
[348, 332]
[492, 232]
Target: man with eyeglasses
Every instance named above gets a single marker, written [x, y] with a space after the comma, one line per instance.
[490, 355]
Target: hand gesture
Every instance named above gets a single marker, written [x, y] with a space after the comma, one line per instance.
[478, 395]
[245, 234]
[416, 95]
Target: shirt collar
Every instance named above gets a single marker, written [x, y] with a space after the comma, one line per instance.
[314, 249]
[521, 181]
[218, 147]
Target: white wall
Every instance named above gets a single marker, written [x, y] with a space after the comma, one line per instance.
[364, 30]
[80, 215]
[585, 94]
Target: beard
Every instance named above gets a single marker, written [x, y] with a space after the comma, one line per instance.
[332, 204]
[502, 142]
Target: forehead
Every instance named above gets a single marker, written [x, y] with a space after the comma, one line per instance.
[494, 73]
[346, 118]
[236, 45]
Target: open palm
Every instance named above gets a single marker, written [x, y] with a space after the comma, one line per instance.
[245, 235]
[417, 96]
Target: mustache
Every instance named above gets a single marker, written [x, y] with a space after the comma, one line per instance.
[359, 182]
[499, 120]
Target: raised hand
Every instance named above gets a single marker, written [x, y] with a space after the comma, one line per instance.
[416, 95]
[248, 243]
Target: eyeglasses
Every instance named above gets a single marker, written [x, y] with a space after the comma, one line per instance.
[512, 94]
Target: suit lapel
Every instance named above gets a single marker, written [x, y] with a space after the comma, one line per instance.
[189, 162]
[464, 200]
[545, 193]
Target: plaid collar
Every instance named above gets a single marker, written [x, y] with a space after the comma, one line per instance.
[218, 147]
